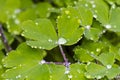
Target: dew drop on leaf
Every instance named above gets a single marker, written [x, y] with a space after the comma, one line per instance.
[79, 21]
[36, 24]
[42, 62]
[93, 5]
[87, 27]
[98, 50]
[95, 16]
[17, 11]
[108, 26]
[88, 76]
[69, 76]
[17, 21]
[62, 41]
[86, 5]
[68, 17]
[67, 12]
[99, 77]
[109, 66]
[19, 76]
[49, 40]
[67, 71]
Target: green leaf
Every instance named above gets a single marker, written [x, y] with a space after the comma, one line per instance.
[85, 15]
[107, 59]
[92, 34]
[95, 71]
[114, 22]
[43, 12]
[83, 55]
[115, 51]
[57, 72]
[68, 26]
[41, 32]
[113, 72]
[23, 55]
[77, 71]
[24, 62]
[99, 9]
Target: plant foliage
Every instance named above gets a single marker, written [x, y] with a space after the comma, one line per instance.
[86, 33]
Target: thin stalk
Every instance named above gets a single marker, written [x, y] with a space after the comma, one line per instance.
[4, 40]
[64, 57]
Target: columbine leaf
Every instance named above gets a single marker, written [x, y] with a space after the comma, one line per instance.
[68, 26]
[107, 59]
[92, 34]
[85, 15]
[24, 62]
[83, 55]
[113, 72]
[95, 71]
[114, 23]
[20, 56]
[77, 71]
[41, 33]
[57, 72]
[43, 12]
[97, 7]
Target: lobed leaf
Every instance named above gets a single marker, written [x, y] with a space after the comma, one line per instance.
[41, 33]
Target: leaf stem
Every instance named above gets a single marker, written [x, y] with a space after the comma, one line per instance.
[4, 40]
[64, 57]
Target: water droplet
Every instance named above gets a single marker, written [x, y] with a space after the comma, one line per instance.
[13, 16]
[40, 47]
[109, 66]
[87, 27]
[79, 21]
[49, 40]
[75, 2]
[99, 77]
[17, 11]
[88, 76]
[93, 5]
[92, 52]
[26, 76]
[108, 26]
[17, 21]
[58, 17]
[42, 62]
[67, 12]
[36, 23]
[92, 2]
[70, 76]
[113, 6]
[98, 50]
[95, 16]
[68, 17]
[22, 34]
[15, 32]
[67, 71]
[114, 26]
[19, 76]
[86, 5]
[88, 63]
[62, 41]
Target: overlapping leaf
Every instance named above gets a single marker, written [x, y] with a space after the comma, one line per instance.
[41, 33]
[68, 25]
[45, 35]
